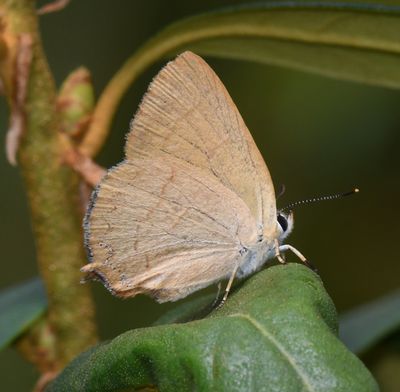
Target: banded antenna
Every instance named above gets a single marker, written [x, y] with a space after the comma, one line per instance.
[321, 198]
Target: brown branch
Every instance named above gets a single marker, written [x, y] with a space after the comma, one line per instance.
[53, 197]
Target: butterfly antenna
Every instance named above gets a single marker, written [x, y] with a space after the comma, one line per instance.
[322, 198]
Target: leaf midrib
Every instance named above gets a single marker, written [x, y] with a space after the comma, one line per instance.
[299, 371]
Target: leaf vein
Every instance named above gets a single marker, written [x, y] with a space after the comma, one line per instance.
[307, 383]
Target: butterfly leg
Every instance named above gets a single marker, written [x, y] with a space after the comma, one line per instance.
[217, 296]
[284, 248]
[278, 255]
[228, 288]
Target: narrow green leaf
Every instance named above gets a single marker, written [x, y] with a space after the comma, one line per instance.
[278, 332]
[366, 325]
[20, 306]
[358, 42]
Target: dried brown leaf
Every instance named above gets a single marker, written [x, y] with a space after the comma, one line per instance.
[17, 118]
[54, 6]
[90, 171]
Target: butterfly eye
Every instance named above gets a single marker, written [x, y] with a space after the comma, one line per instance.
[282, 222]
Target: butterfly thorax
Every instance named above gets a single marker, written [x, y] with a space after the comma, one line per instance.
[255, 257]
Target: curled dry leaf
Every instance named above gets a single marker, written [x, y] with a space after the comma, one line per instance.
[3, 53]
[17, 118]
[90, 171]
[8, 52]
[85, 192]
[54, 6]
[44, 380]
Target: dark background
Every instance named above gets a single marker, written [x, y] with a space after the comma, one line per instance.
[317, 135]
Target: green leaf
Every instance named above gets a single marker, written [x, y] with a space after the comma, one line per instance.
[188, 311]
[278, 332]
[368, 324]
[20, 306]
[358, 42]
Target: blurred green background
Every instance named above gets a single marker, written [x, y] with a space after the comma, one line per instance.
[317, 135]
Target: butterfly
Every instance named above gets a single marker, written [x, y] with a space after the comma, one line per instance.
[193, 202]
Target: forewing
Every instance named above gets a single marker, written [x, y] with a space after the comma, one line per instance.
[188, 114]
[165, 228]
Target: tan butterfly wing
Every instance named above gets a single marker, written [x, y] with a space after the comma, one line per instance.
[165, 228]
[192, 195]
[188, 113]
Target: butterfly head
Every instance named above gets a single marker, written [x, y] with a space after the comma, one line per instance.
[285, 224]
